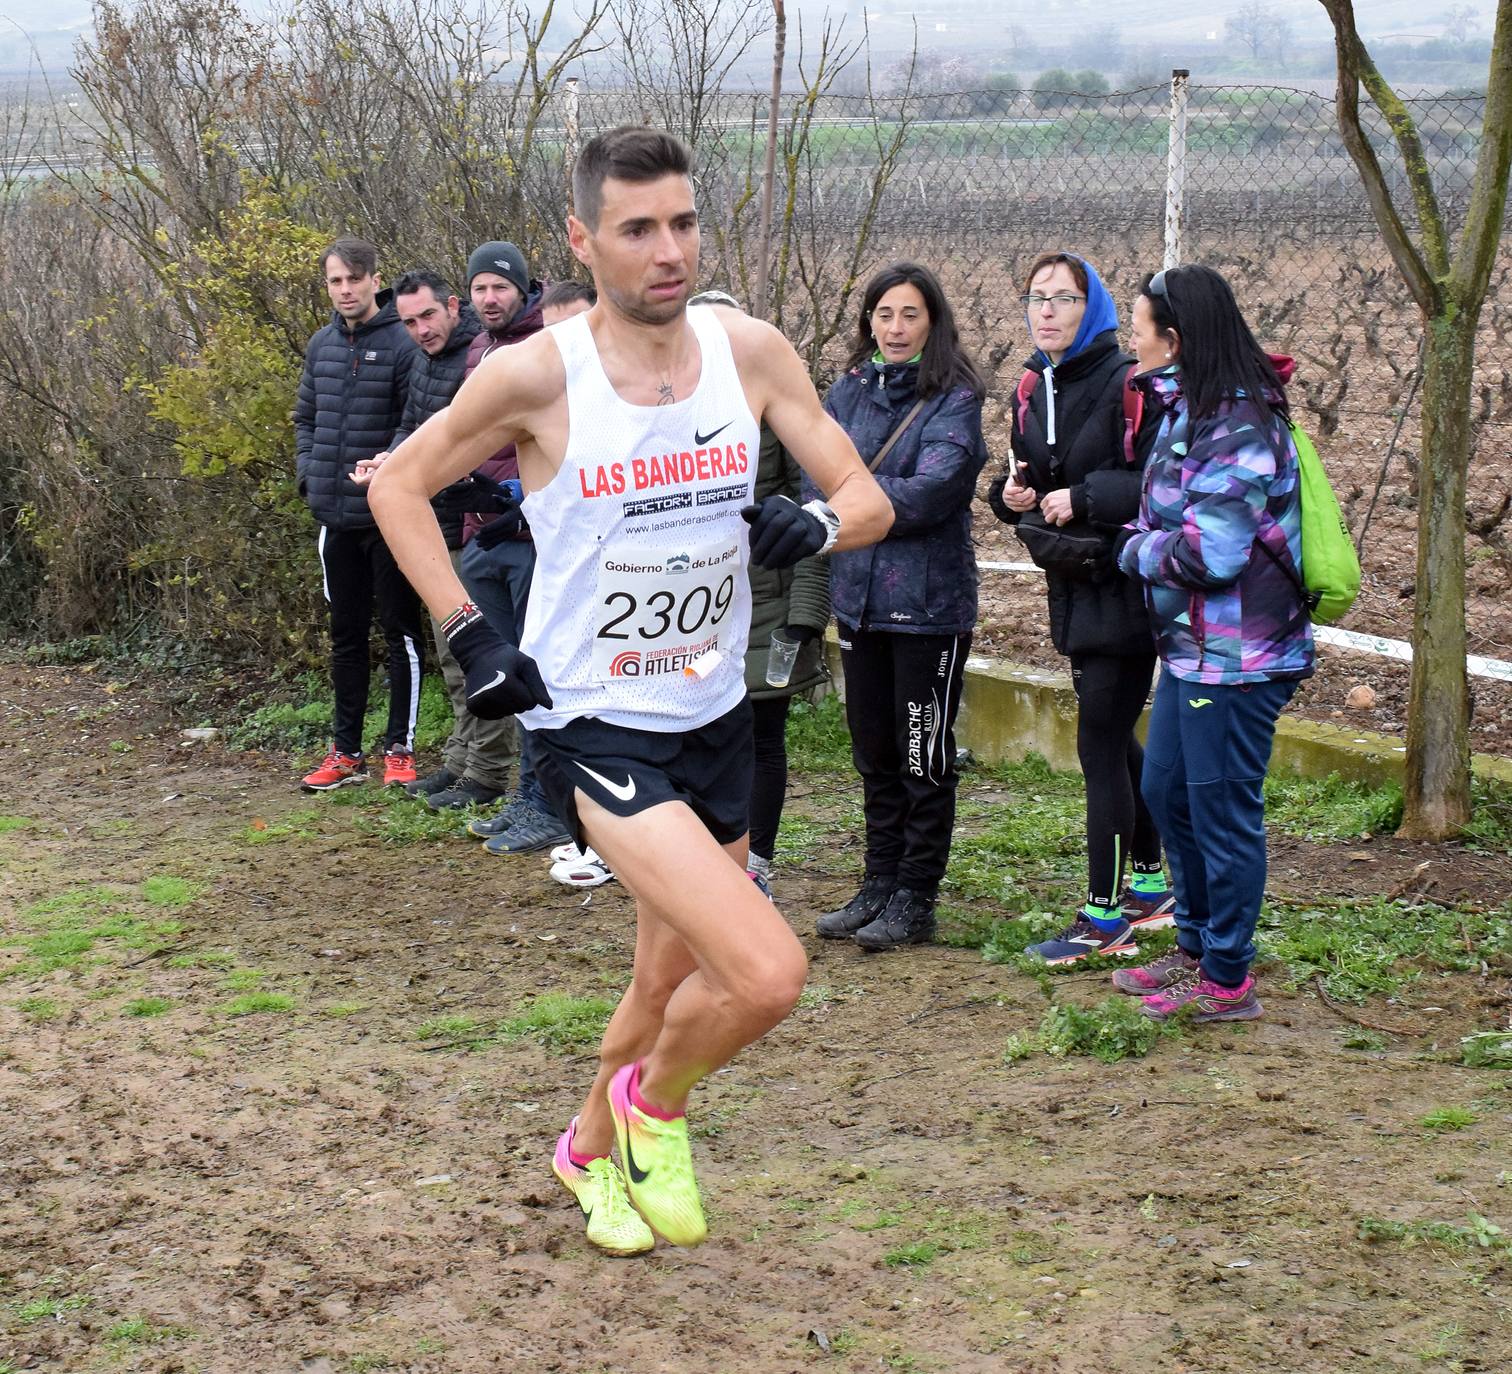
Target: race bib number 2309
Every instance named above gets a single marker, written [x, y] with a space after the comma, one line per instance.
[656, 612]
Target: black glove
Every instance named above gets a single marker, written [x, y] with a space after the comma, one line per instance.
[800, 634]
[783, 532]
[503, 527]
[480, 495]
[500, 680]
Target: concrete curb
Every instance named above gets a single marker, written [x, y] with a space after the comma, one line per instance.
[1009, 710]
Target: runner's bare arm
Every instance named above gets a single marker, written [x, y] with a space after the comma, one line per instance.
[493, 408]
[776, 378]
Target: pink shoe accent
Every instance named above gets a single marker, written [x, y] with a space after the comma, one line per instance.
[562, 1162]
[579, 1161]
[632, 1085]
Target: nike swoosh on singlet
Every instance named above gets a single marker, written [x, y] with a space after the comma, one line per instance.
[623, 790]
[500, 677]
[700, 440]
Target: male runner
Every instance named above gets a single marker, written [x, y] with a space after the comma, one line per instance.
[637, 426]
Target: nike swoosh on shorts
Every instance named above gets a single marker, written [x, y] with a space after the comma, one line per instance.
[623, 790]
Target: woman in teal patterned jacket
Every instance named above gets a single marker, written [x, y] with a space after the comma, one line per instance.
[1218, 546]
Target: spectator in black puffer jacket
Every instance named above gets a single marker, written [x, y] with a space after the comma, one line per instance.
[1076, 482]
[477, 756]
[911, 402]
[351, 400]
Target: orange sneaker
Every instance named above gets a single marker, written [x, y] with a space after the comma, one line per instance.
[338, 770]
[398, 768]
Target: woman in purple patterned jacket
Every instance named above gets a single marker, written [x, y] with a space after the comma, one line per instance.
[1218, 545]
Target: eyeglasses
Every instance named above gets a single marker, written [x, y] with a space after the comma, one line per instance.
[1056, 303]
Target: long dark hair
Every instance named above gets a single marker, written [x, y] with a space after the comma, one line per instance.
[1219, 356]
[945, 363]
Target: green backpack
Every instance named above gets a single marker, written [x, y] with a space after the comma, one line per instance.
[1330, 566]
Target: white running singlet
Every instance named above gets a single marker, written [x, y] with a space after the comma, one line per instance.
[640, 549]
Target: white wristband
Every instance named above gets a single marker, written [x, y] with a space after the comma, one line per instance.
[827, 517]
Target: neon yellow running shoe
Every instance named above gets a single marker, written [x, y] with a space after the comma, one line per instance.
[613, 1224]
[658, 1166]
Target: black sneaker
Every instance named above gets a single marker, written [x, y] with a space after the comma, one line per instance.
[861, 910]
[486, 827]
[431, 783]
[909, 919]
[532, 829]
[465, 792]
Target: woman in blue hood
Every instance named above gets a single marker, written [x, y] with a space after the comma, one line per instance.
[1073, 482]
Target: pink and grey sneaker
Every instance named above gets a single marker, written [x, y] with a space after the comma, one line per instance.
[1149, 910]
[614, 1226]
[1196, 998]
[1157, 975]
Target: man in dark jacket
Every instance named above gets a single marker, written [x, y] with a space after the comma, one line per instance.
[498, 554]
[351, 399]
[477, 756]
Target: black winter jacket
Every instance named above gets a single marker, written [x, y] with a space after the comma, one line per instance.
[432, 384]
[351, 399]
[922, 578]
[1105, 614]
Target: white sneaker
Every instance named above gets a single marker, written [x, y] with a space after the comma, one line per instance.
[580, 870]
[566, 851]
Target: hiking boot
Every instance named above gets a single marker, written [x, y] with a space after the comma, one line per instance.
[1082, 938]
[464, 792]
[613, 1224]
[1149, 910]
[532, 829]
[861, 910]
[398, 768]
[486, 827]
[1196, 998]
[908, 919]
[438, 781]
[1157, 975]
[338, 770]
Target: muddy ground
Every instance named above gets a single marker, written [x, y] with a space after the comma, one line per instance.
[323, 1187]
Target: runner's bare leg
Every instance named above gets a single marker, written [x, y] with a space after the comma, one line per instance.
[721, 965]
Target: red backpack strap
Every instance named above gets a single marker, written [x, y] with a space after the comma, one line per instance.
[1026, 386]
[1133, 416]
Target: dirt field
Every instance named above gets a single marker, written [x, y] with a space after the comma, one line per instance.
[290, 1162]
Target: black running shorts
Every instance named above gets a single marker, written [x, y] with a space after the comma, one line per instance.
[626, 771]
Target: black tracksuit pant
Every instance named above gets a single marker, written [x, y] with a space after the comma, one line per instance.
[360, 573]
[902, 692]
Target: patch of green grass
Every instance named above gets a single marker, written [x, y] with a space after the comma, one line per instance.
[1376, 946]
[566, 1024]
[881, 1222]
[915, 1256]
[140, 1331]
[38, 1009]
[203, 958]
[397, 819]
[1364, 1040]
[1112, 1030]
[1479, 1233]
[1448, 1119]
[71, 922]
[1487, 1050]
[343, 1009]
[148, 1006]
[40, 1309]
[304, 725]
[71, 909]
[1032, 850]
[242, 979]
[800, 839]
[297, 825]
[360, 1363]
[963, 927]
[458, 1030]
[1331, 808]
[162, 890]
[254, 1003]
[818, 740]
[9, 823]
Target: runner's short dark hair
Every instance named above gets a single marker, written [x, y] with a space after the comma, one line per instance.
[358, 254]
[411, 282]
[631, 152]
[563, 293]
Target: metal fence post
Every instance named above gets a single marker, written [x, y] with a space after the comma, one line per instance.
[1176, 168]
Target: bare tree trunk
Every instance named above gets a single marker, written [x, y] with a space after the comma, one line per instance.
[1438, 713]
[769, 173]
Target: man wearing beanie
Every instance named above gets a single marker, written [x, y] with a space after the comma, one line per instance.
[498, 554]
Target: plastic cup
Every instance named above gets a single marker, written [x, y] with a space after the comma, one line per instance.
[780, 659]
